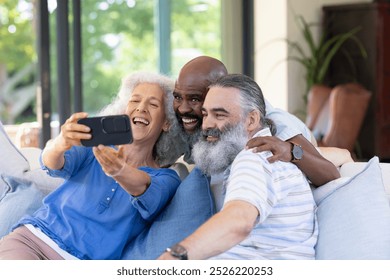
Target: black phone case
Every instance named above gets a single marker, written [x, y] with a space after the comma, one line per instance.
[108, 130]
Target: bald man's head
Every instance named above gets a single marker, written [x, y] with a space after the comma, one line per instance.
[191, 88]
[198, 73]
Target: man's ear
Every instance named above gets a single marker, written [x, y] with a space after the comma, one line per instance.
[166, 126]
[253, 120]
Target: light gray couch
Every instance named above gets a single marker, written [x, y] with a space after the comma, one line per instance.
[353, 211]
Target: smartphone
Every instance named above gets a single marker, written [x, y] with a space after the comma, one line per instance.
[108, 130]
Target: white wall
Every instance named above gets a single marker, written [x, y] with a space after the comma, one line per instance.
[282, 81]
[270, 49]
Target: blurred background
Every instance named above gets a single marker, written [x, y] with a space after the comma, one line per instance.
[62, 56]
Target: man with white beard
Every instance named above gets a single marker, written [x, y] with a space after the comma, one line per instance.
[214, 158]
[266, 210]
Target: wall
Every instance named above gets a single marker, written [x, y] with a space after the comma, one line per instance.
[283, 81]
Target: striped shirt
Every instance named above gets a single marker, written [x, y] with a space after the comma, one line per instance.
[287, 226]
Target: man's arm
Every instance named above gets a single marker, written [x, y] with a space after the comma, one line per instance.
[317, 169]
[224, 230]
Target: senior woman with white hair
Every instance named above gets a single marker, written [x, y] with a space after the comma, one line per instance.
[110, 194]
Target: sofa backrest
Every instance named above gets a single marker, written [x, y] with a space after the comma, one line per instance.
[351, 168]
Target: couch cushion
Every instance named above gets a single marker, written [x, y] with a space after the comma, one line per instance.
[18, 198]
[191, 206]
[12, 162]
[352, 168]
[354, 217]
[24, 163]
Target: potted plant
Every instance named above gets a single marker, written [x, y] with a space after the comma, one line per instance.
[316, 62]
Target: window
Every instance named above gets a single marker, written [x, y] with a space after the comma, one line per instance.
[118, 37]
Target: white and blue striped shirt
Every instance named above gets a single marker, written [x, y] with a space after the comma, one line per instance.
[287, 226]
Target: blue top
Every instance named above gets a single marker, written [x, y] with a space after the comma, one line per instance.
[90, 215]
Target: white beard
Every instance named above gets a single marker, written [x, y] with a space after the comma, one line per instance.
[216, 157]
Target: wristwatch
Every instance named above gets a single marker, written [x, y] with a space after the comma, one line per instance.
[296, 152]
[178, 251]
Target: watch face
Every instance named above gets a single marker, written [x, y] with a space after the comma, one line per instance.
[297, 152]
[179, 252]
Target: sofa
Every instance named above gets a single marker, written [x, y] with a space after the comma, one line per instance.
[353, 211]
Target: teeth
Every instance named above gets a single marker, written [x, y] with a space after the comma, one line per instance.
[141, 120]
[185, 120]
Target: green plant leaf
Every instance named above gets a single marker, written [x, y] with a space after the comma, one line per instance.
[295, 46]
[333, 50]
[317, 61]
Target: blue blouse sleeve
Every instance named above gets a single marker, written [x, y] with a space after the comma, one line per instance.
[74, 159]
[163, 186]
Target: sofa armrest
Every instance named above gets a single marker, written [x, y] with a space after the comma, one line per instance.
[32, 155]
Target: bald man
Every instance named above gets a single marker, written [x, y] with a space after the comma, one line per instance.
[292, 141]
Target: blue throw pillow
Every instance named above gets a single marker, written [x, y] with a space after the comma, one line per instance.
[18, 198]
[354, 217]
[190, 207]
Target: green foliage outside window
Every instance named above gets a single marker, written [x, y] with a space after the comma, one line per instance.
[118, 37]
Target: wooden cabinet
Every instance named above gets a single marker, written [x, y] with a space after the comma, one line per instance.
[372, 72]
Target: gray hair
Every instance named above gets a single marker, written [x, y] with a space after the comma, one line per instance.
[169, 146]
[251, 97]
